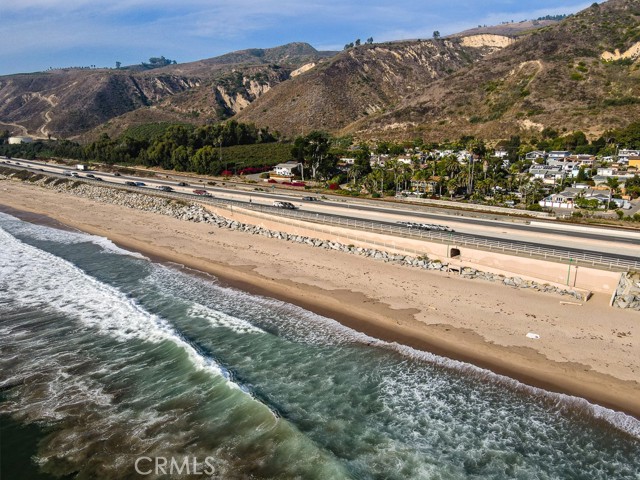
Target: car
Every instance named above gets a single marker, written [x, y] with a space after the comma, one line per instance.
[130, 184]
[165, 188]
[310, 199]
[66, 173]
[202, 192]
[183, 184]
[98, 179]
[116, 174]
[75, 174]
[90, 175]
[287, 205]
[140, 184]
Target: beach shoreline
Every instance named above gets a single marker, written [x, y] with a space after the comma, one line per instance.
[170, 240]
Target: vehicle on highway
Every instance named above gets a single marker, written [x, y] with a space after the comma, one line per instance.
[426, 226]
[183, 184]
[130, 184]
[287, 205]
[98, 179]
[90, 175]
[75, 174]
[310, 199]
[116, 174]
[202, 192]
[165, 188]
[140, 184]
[67, 173]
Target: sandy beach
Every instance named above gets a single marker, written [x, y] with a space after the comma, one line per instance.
[591, 351]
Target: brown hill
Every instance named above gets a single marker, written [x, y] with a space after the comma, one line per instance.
[488, 85]
[66, 103]
[362, 82]
[559, 77]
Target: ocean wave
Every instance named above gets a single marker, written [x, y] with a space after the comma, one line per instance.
[66, 237]
[33, 279]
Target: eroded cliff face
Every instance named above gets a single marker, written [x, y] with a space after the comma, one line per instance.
[363, 81]
[236, 91]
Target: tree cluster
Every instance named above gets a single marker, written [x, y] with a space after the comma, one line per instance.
[357, 43]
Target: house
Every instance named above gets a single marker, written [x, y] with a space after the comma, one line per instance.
[425, 186]
[564, 199]
[406, 160]
[607, 172]
[286, 170]
[18, 140]
[348, 161]
[558, 154]
[536, 155]
[634, 161]
[379, 160]
[500, 153]
[625, 154]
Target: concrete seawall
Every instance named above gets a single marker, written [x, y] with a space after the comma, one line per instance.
[540, 270]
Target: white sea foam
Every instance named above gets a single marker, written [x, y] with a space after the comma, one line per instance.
[66, 237]
[37, 279]
[220, 319]
[303, 325]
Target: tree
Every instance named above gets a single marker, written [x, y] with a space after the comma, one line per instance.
[613, 183]
[436, 34]
[370, 40]
[313, 151]
[362, 163]
[357, 42]
[118, 64]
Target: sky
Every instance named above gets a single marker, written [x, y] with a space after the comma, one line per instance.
[40, 34]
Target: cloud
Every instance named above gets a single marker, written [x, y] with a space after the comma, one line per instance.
[97, 32]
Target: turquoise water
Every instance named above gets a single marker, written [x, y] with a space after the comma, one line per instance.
[107, 357]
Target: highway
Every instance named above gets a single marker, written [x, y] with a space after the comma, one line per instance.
[616, 243]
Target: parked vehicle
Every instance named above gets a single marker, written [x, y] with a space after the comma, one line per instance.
[81, 167]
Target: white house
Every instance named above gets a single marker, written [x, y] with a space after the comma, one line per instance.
[348, 161]
[286, 169]
[607, 172]
[558, 154]
[564, 199]
[624, 154]
[17, 140]
[536, 155]
[500, 153]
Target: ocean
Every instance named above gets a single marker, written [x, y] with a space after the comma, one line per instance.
[113, 366]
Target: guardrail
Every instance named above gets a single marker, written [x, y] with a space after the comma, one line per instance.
[602, 261]
[458, 239]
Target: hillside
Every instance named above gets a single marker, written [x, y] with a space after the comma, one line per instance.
[67, 103]
[569, 76]
[362, 82]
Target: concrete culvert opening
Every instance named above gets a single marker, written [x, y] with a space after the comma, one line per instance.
[454, 252]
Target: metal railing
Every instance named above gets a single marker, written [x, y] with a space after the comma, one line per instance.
[522, 249]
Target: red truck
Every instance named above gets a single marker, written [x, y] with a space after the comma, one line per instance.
[202, 192]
